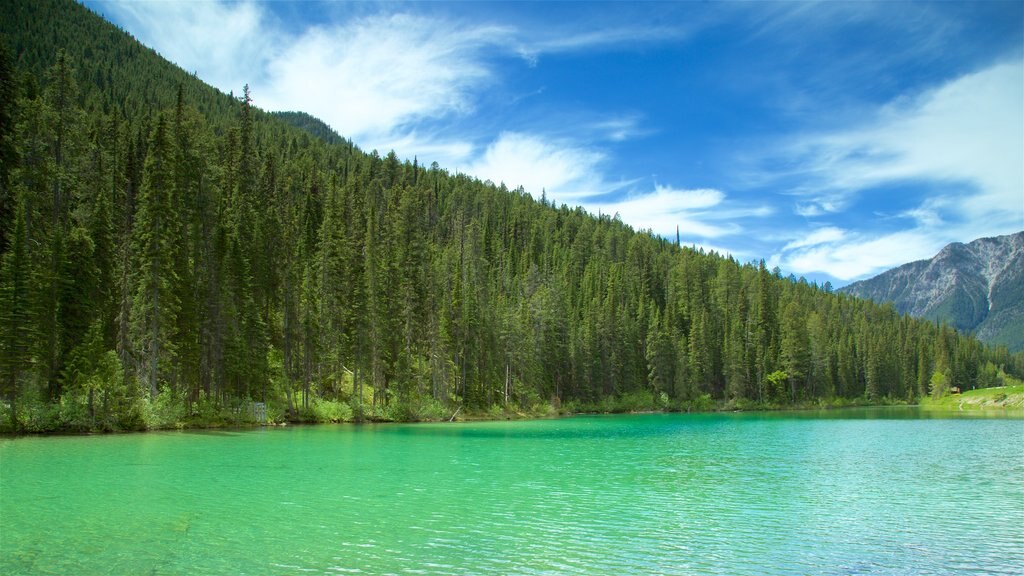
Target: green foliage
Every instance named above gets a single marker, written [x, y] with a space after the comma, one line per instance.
[276, 414]
[702, 403]
[422, 409]
[636, 401]
[167, 410]
[322, 410]
[37, 415]
[938, 384]
[776, 382]
[95, 392]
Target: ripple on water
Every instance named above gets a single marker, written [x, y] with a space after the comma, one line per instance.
[718, 494]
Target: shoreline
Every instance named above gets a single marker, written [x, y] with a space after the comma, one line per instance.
[927, 406]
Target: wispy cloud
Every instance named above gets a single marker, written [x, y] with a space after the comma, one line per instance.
[617, 129]
[378, 76]
[531, 44]
[666, 208]
[566, 171]
[828, 234]
[699, 214]
[968, 132]
[962, 143]
[852, 256]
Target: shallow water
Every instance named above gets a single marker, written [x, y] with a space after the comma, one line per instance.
[840, 492]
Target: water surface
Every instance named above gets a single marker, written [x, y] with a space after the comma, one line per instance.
[842, 492]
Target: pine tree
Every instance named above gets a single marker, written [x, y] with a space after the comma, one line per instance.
[766, 327]
[8, 156]
[660, 360]
[62, 127]
[17, 318]
[795, 348]
[155, 303]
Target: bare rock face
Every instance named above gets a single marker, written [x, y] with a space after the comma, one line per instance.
[977, 288]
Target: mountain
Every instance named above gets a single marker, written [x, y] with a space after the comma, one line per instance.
[976, 288]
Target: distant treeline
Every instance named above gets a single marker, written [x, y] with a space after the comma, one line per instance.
[170, 253]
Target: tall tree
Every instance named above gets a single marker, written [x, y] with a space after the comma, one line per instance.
[8, 157]
[17, 319]
[155, 304]
[62, 128]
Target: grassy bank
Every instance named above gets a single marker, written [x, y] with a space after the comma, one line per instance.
[168, 412]
[1009, 398]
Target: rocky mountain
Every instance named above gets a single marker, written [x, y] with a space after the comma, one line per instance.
[976, 287]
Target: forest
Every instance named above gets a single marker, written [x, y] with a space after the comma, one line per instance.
[172, 254]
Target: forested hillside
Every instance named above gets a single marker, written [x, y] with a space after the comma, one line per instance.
[171, 253]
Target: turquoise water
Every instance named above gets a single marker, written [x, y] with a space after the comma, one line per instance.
[851, 492]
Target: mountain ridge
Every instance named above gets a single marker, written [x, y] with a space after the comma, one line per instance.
[977, 287]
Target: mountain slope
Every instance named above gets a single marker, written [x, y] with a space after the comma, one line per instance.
[976, 287]
[315, 126]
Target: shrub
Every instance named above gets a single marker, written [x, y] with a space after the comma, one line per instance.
[704, 403]
[275, 413]
[166, 410]
[635, 401]
[323, 410]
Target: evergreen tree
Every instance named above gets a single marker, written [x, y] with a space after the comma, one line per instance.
[17, 318]
[795, 348]
[8, 157]
[155, 304]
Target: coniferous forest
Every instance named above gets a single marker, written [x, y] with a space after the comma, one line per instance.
[171, 254]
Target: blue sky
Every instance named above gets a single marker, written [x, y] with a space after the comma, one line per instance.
[833, 139]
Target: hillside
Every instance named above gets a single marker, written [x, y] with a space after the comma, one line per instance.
[977, 288]
[314, 126]
[173, 253]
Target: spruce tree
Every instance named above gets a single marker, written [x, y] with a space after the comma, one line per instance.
[17, 317]
[155, 302]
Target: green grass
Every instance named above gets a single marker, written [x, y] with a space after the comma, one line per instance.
[1000, 398]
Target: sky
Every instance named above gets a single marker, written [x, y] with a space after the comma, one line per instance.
[834, 140]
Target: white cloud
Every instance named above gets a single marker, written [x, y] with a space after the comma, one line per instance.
[575, 40]
[929, 214]
[383, 79]
[860, 255]
[819, 236]
[372, 78]
[967, 133]
[815, 208]
[566, 171]
[665, 208]
[617, 129]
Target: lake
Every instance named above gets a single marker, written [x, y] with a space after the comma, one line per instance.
[876, 491]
